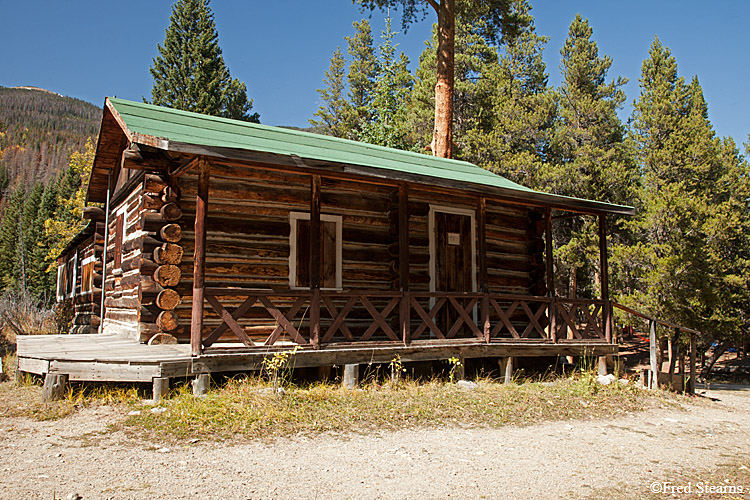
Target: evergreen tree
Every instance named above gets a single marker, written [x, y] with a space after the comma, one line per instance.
[363, 72]
[690, 265]
[496, 15]
[588, 154]
[335, 112]
[42, 279]
[189, 72]
[515, 143]
[71, 198]
[10, 230]
[476, 71]
[389, 98]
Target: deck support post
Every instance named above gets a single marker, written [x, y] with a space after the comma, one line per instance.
[351, 376]
[653, 382]
[55, 385]
[315, 260]
[201, 383]
[507, 367]
[602, 365]
[693, 362]
[550, 275]
[483, 281]
[160, 388]
[403, 262]
[674, 355]
[199, 259]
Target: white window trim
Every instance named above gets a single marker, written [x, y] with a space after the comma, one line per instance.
[73, 277]
[293, 218]
[60, 286]
[88, 260]
[433, 243]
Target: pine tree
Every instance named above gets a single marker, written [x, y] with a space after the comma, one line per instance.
[335, 112]
[189, 72]
[363, 72]
[690, 266]
[71, 198]
[389, 97]
[588, 154]
[475, 64]
[515, 143]
[10, 229]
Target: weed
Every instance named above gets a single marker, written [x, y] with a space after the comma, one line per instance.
[455, 365]
[397, 369]
[279, 367]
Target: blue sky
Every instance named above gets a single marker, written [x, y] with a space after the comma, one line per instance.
[91, 49]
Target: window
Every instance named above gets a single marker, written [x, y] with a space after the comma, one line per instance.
[87, 275]
[70, 277]
[119, 237]
[299, 251]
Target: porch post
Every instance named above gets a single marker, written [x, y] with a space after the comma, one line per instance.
[403, 262]
[550, 272]
[199, 259]
[483, 281]
[315, 260]
[604, 271]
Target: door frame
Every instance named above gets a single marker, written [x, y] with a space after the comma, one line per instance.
[433, 244]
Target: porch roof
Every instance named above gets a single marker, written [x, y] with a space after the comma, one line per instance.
[185, 132]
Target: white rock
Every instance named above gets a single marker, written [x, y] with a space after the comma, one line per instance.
[605, 379]
[134, 413]
[158, 409]
[466, 384]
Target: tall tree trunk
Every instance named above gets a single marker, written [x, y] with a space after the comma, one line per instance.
[442, 137]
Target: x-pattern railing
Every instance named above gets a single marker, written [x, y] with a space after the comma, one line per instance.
[440, 315]
[590, 324]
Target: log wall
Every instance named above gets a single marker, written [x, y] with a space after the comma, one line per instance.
[87, 305]
[248, 243]
[140, 296]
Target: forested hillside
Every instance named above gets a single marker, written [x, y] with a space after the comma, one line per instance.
[46, 147]
[38, 132]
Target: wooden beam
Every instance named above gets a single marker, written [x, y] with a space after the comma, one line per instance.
[403, 262]
[550, 274]
[199, 259]
[315, 260]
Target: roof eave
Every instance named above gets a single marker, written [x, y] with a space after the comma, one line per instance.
[534, 198]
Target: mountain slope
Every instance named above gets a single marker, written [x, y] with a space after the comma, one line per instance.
[38, 131]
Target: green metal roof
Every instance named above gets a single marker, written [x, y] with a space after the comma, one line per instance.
[177, 126]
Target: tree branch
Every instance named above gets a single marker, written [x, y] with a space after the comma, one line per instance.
[434, 5]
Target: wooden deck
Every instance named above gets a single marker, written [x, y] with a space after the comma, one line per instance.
[117, 359]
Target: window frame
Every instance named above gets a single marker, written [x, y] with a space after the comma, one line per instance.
[338, 265]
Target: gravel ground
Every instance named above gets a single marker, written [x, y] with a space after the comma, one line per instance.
[47, 460]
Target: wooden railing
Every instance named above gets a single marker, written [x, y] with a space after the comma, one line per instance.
[314, 318]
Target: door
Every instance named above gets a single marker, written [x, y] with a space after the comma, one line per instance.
[454, 262]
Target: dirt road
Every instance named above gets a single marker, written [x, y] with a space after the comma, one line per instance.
[44, 460]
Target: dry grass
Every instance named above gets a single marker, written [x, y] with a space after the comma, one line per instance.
[252, 409]
[25, 399]
[21, 315]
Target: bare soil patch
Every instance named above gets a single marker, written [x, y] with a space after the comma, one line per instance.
[578, 458]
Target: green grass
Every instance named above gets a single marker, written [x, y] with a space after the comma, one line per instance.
[251, 409]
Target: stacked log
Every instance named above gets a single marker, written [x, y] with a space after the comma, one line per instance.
[160, 258]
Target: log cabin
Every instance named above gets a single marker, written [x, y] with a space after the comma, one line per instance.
[235, 239]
